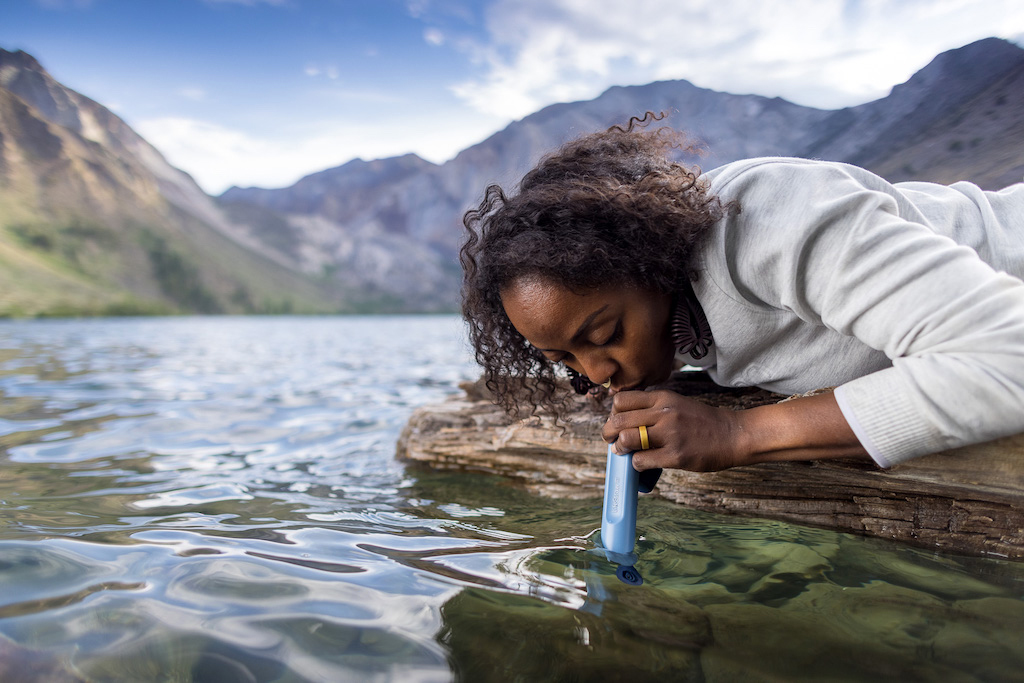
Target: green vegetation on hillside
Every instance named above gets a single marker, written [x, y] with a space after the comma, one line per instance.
[178, 277]
[78, 266]
[46, 269]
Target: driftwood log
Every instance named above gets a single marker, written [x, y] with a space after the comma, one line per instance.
[968, 501]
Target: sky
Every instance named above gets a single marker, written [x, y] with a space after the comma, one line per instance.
[264, 92]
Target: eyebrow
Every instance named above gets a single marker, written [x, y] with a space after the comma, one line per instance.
[582, 330]
[586, 323]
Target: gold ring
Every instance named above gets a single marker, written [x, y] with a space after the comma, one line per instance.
[644, 442]
[608, 384]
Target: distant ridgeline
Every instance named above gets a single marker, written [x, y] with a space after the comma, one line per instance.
[93, 220]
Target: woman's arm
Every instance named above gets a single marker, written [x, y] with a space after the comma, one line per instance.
[840, 249]
[686, 434]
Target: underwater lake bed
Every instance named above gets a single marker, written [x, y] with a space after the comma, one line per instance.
[217, 499]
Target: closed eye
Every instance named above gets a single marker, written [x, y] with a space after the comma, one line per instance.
[557, 357]
[615, 337]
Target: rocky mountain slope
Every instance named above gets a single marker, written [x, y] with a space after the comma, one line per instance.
[382, 227]
[965, 106]
[93, 219]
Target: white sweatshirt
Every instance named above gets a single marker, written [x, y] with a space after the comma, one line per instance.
[829, 275]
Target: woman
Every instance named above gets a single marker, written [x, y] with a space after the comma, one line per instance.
[618, 265]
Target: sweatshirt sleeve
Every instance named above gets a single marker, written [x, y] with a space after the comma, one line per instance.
[851, 254]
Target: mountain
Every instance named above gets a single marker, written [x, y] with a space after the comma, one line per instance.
[372, 226]
[960, 117]
[93, 219]
[975, 129]
[408, 196]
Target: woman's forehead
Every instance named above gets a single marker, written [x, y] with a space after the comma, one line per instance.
[535, 297]
[540, 294]
[548, 313]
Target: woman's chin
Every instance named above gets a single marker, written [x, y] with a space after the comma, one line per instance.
[655, 377]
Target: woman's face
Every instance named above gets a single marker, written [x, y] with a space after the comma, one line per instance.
[610, 333]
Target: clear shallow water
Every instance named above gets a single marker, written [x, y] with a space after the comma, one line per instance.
[216, 499]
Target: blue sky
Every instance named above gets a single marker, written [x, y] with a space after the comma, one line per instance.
[262, 92]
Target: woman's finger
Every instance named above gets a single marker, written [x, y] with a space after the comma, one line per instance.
[622, 423]
[625, 401]
[649, 460]
[654, 458]
[632, 440]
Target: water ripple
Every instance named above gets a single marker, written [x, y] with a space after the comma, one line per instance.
[217, 499]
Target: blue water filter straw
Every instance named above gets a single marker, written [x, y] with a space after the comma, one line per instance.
[622, 484]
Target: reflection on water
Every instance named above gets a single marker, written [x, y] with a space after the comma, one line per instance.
[217, 500]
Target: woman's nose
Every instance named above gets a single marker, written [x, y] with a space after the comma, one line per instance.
[599, 369]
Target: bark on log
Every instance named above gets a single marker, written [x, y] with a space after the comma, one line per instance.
[968, 501]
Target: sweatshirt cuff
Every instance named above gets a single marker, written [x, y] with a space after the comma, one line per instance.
[858, 429]
[885, 420]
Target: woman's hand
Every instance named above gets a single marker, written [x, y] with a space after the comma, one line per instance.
[682, 433]
[685, 434]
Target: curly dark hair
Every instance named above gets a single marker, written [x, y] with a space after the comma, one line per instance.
[608, 208]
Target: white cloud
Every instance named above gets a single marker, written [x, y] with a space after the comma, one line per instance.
[314, 70]
[433, 37]
[824, 53]
[218, 157]
[417, 8]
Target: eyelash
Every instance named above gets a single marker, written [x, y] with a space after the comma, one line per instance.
[616, 336]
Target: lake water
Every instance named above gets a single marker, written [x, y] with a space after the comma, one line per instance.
[217, 499]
